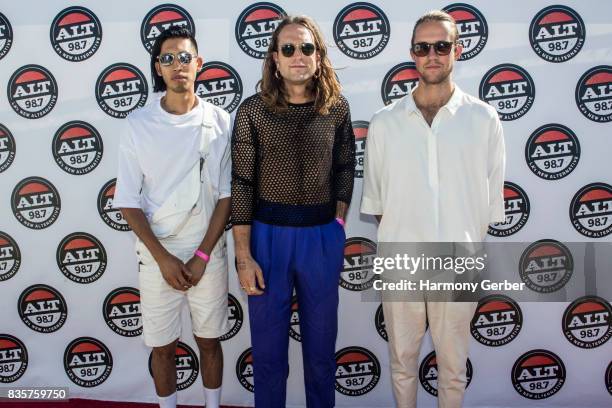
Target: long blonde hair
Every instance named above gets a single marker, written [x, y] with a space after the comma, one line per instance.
[324, 85]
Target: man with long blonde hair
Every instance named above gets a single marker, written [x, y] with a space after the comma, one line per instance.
[293, 153]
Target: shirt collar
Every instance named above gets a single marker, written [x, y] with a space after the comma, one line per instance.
[452, 105]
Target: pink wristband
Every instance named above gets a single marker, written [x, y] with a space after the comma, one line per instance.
[340, 221]
[202, 255]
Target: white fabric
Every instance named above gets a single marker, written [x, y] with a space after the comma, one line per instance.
[158, 149]
[212, 397]
[167, 402]
[439, 183]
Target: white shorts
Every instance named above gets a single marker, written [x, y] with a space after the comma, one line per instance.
[161, 304]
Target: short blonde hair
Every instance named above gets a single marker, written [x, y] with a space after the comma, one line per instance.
[437, 15]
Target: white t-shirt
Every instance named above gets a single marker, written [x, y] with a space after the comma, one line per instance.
[442, 183]
[158, 149]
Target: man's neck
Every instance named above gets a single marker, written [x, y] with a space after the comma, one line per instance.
[433, 96]
[179, 103]
[297, 93]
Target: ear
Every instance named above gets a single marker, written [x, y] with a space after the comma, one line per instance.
[199, 63]
[412, 55]
[158, 68]
[275, 58]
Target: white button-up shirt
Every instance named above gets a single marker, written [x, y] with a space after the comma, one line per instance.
[442, 183]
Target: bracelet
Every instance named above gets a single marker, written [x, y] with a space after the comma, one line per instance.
[340, 221]
[202, 255]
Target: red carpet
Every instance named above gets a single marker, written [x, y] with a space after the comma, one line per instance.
[83, 403]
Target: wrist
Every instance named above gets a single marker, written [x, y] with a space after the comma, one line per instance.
[203, 256]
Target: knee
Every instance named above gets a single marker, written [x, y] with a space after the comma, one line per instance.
[165, 352]
[208, 345]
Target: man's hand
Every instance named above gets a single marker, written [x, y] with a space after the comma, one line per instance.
[250, 276]
[197, 267]
[175, 272]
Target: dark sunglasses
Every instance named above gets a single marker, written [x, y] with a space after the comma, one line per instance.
[421, 49]
[289, 49]
[167, 59]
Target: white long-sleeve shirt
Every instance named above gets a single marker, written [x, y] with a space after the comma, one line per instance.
[442, 183]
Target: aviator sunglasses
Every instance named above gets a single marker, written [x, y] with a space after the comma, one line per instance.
[167, 59]
[421, 49]
[289, 49]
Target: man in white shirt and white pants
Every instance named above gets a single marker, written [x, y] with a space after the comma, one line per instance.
[434, 172]
[173, 188]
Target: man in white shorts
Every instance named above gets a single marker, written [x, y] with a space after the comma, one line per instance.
[173, 188]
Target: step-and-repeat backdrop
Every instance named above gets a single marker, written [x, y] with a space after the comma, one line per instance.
[69, 301]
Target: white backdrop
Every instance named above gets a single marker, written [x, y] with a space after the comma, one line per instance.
[79, 159]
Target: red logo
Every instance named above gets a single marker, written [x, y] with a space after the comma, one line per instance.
[538, 374]
[162, 18]
[32, 91]
[35, 203]
[255, 26]
[591, 210]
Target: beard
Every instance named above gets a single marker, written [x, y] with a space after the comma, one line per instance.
[435, 78]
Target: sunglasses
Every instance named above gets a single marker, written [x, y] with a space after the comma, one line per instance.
[289, 49]
[167, 59]
[421, 49]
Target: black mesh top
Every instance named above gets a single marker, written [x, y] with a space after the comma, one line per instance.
[291, 168]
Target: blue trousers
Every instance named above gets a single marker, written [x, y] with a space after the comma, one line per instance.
[309, 259]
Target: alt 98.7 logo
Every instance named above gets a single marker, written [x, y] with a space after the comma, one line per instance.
[591, 210]
[472, 28]
[552, 151]
[10, 257]
[77, 147]
[76, 33]
[255, 26]
[121, 311]
[120, 89]
[357, 371]
[32, 91]
[42, 308]
[516, 204]
[546, 266]
[13, 358]
[509, 89]
[111, 216]
[162, 18]
[219, 84]
[587, 322]
[497, 321]
[538, 374]
[35, 202]
[557, 33]
[357, 273]
[361, 30]
[87, 362]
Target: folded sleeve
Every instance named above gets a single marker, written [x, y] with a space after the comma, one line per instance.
[371, 198]
[496, 169]
[129, 173]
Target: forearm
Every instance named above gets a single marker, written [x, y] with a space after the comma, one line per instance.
[341, 209]
[242, 241]
[217, 224]
[140, 225]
